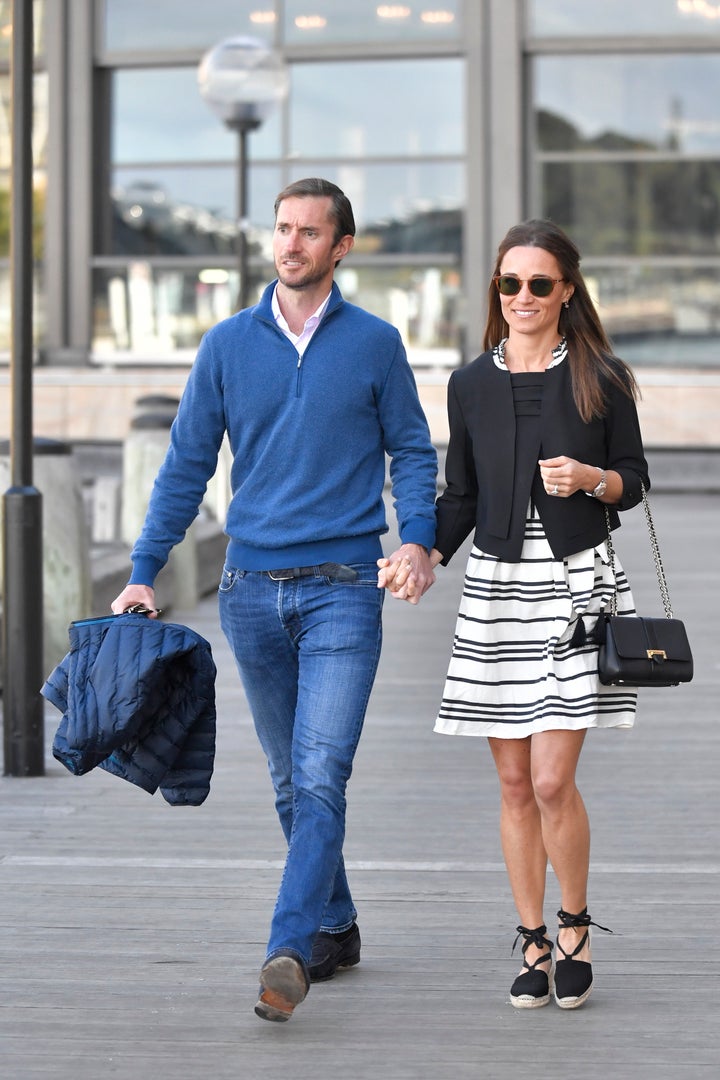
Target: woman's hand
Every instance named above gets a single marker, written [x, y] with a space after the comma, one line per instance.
[563, 476]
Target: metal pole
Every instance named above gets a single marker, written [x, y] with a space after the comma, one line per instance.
[242, 205]
[22, 652]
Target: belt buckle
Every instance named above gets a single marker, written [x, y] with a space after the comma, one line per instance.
[281, 575]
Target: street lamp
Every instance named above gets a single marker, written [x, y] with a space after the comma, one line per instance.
[242, 80]
[22, 617]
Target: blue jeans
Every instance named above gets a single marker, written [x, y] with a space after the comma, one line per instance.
[307, 650]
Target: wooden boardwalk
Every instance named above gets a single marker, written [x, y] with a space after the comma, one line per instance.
[131, 933]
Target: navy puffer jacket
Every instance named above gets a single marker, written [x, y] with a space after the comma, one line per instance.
[138, 699]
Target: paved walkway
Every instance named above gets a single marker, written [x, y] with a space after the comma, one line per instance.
[131, 933]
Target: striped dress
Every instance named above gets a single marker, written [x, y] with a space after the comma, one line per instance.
[521, 660]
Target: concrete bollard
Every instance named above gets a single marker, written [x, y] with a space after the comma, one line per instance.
[67, 582]
[143, 453]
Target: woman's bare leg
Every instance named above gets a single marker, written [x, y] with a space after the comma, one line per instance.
[564, 822]
[521, 833]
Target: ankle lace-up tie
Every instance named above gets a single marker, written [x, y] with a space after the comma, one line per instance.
[531, 988]
[573, 978]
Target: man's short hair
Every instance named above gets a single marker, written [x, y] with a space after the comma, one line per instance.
[315, 187]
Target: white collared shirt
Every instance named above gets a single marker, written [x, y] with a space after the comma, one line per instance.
[302, 340]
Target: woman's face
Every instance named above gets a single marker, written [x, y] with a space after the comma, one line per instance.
[526, 313]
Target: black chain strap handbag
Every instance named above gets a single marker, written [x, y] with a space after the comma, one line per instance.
[639, 651]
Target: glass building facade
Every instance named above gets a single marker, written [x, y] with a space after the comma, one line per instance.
[445, 121]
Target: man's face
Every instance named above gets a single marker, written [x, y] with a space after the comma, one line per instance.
[304, 246]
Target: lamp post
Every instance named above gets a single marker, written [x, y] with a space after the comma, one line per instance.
[242, 80]
[22, 657]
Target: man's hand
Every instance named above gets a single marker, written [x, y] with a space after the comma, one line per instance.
[407, 573]
[135, 594]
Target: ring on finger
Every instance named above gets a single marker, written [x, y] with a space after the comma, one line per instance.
[555, 490]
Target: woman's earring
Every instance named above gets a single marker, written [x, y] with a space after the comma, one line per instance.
[566, 303]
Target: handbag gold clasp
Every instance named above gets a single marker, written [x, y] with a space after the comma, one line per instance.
[656, 654]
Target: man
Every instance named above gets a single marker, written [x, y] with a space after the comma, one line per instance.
[313, 392]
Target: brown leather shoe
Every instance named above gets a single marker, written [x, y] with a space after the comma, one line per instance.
[284, 983]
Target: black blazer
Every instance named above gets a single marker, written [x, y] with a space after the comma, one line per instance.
[480, 463]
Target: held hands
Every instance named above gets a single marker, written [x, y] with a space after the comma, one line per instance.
[135, 594]
[408, 572]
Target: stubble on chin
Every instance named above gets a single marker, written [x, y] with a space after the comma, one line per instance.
[300, 282]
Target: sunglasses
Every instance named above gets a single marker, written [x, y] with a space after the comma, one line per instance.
[509, 285]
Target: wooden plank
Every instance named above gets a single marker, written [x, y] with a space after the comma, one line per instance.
[131, 933]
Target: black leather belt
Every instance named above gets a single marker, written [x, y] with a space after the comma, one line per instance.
[337, 571]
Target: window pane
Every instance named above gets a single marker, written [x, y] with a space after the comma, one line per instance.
[424, 303]
[40, 121]
[646, 103]
[660, 315]
[154, 313]
[173, 210]
[636, 208]
[574, 18]
[39, 174]
[186, 211]
[39, 319]
[328, 21]
[401, 208]
[145, 312]
[175, 24]
[158, 115]
[4, 216]
[384, 108]
[413, 208]
[6, 29]
[5, 123]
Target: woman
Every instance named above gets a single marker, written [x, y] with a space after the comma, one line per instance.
[544, 435]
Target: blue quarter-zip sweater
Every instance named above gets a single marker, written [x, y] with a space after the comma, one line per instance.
[308, 438]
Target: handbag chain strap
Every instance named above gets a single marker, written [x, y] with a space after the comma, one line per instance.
[659, 570]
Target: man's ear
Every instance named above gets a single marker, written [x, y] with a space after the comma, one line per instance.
[343, 246]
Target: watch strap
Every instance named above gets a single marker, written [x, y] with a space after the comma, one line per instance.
[600, 488]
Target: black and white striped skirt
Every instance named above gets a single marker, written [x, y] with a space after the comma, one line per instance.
[518, 665]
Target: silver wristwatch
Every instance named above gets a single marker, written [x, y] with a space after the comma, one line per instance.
[602, 486]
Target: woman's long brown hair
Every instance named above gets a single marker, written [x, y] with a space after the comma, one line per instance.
[590, 354]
